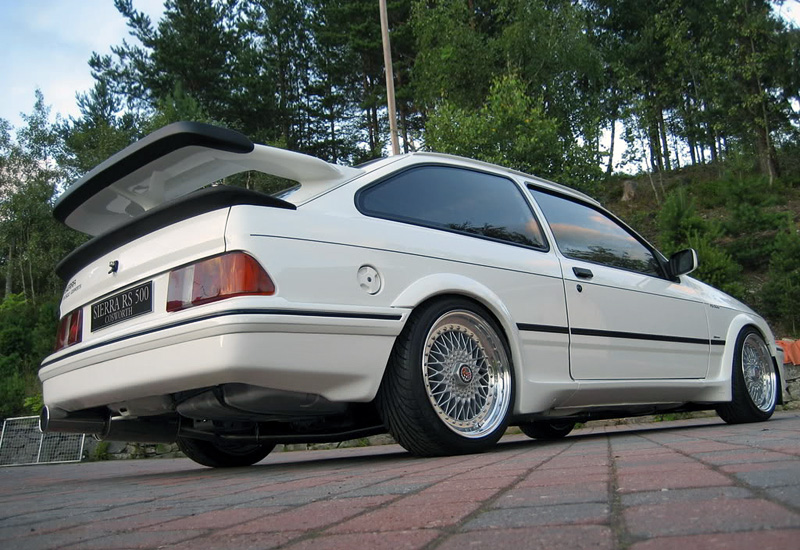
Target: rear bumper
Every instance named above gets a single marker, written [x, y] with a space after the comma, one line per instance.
[338, 355]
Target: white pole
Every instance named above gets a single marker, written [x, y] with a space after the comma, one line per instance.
[387, 62]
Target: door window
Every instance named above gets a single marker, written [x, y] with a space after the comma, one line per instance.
[584, 233]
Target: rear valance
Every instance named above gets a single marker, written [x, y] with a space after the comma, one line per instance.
[172, 162]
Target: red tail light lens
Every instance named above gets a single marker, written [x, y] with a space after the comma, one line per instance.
[70, 329]
[232, 274]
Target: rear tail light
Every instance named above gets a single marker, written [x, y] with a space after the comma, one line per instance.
[70, 329]
[225, 276]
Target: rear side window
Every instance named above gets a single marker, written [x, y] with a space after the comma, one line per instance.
[583, 233]
[457, 200]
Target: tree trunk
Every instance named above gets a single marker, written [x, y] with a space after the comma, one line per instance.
[10, 271]
[610, 166]
[662, 128]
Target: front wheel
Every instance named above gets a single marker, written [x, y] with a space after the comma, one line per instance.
[224, 455]
[754, 382]
[448, 387]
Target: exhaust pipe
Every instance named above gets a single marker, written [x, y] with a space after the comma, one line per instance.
[99, 423]
[90, 421]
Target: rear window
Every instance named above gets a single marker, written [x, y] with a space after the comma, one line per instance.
[457, 200]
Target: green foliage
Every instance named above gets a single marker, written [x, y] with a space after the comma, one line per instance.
[34, 403]
[681, 227]
[750, 223]
[27, 333]
[717, 268]
[678, 219]
[101, 451]
[781, 292]
[510, 129]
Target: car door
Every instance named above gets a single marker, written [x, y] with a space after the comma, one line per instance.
[626, 319]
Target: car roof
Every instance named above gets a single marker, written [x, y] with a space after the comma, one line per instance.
[422, 157]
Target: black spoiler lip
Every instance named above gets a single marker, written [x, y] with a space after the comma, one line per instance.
[152, 147]
[185, 207]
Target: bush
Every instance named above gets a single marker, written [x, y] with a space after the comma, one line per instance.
[780, 295]
[678, 219]
[27, 333]
[717, 268]
[751, 225]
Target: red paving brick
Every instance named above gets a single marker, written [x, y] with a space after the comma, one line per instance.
[218, 519]
[574, 537]
[248, 541]
[709, 516]
[762, 540]
[396, 518]
[392, 540]
[680, 478]
[685, 484]
[311, 516]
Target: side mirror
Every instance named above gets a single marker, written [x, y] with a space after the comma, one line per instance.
[683, 262]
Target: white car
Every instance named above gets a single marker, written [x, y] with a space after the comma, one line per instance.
[434, 297]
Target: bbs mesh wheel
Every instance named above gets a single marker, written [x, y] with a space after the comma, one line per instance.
[448, 388]
[755, 384]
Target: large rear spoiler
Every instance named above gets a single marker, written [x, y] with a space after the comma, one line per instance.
[175, 161]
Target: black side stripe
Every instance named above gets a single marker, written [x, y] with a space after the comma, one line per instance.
[616, 334]
[288, 312]
[543, 328]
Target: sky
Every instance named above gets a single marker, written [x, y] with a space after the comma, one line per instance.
[46, 44]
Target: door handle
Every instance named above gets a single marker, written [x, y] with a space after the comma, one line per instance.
[582, 273]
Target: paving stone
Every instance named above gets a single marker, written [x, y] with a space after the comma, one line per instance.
[789, 495]
[136, 539]
[247, 541]
[673, 495]
[739, 456]
[708, 516]
[762, 540]
[572, 537]
[396, 518]
[392, 540]
[675, 479]
[315, 515]
[557, 514]
[558, 494]
[726, 487]
[567, 476]
[778, 477]
[429, 496]
[218, 519]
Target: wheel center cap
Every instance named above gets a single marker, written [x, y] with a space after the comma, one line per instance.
[465, 373]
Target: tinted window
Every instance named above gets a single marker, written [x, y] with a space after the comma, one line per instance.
[456, 200]
[584, 233]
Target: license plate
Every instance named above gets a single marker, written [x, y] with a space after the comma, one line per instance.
[123, 306]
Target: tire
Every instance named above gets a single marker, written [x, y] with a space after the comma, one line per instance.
[547, 429]
[224, 455]
[448, 387]
[754, 381]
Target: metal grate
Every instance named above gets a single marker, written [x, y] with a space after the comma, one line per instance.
[21, 442]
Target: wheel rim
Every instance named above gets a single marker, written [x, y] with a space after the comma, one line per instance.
[759, 376]
[467, 374]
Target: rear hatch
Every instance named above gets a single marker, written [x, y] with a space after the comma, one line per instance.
[150, 211]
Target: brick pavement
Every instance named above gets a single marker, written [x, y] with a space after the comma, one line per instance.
[685, 484]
